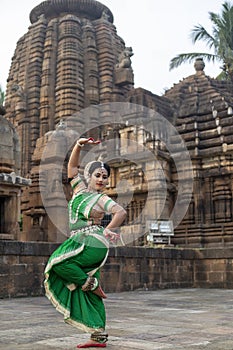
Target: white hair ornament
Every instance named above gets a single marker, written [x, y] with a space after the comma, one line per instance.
[86, 174]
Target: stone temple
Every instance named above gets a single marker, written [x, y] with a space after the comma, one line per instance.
[72, 59]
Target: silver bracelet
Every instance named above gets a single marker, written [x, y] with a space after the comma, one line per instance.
[79, 144]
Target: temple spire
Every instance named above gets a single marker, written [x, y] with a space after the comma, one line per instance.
[90, 9]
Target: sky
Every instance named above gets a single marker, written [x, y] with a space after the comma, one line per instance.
[157, 30]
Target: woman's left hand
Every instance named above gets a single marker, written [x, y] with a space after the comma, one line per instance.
[111, 236]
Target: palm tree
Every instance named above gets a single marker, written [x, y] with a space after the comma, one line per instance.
[221, 41]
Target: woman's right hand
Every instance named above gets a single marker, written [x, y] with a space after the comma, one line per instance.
[82, 141]
[73, 163]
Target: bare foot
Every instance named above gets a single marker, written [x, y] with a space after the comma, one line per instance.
[91, 344]
[99, 291]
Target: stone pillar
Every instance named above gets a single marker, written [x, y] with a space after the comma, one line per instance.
[48, 79]
[157, 191]
[91, 75]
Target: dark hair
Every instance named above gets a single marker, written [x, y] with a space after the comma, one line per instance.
[97, 165]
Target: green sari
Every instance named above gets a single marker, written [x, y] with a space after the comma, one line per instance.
[80, 256]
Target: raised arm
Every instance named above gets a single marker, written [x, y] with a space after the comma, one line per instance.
[73, 163]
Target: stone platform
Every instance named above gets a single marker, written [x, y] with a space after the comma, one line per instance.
[190, 319]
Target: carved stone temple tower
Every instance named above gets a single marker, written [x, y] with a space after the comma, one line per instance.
[65, 62]
[70, 58]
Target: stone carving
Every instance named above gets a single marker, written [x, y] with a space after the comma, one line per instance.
[124, 58]
[19, 91]
[123, 70]
[105, 15]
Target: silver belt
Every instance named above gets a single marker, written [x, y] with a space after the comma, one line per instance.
[85, 229]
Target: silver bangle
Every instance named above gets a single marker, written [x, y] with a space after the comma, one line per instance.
[79, 144]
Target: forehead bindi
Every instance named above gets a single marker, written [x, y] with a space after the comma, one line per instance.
[100, 171]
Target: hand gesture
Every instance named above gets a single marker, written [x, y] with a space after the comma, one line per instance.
[82, 141]
[112, 237]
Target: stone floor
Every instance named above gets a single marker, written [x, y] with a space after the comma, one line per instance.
[190, 319]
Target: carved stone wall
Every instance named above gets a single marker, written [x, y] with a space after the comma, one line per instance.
[11, 182]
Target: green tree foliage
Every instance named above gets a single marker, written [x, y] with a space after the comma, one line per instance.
[2, 96]
[220, 42]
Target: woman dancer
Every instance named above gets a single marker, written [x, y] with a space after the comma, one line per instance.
[73, 270]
